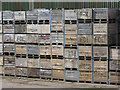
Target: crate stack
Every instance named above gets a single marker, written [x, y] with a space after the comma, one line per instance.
[85, 44]
[104, 35]
[8, 43]
[44, 42]
[72, 44]
[57, 42]
[70, 47]
[33, 49]
[114, 65]
[1, 45]
[20, 30]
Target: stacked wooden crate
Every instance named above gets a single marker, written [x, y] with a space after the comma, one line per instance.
[70, 49]
[8, 40]
[104, 33]
[1, 45]
[57, 38]
[32, 44]
[114, 65]
[85, 42]
[61, 44]
[44, 42]
[20, 30]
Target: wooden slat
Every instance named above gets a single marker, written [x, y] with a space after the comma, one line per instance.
[9, 28]
[85, 76]
[100, 65]
[20, 38]
[45, 50]
[43, 14]
[100, 51]
[33, 49]
[21, 28]
[19, 15]
[43, 39]
[85, 51]
[32, 28]
[100, 76]
[45, 63]
[57, 50]
[57, 64]
[58, 74]
[8, 38]
[20, 49]
[44, 29]
[32, 38]
[9, 48]
[70, 39]
[114, 65]
[9, 60]
[70, 63]
[84, 28]
[71, 75]
[85, 65]
[85, 39]
[9, 70]
[33, 72]
[32, 62]
[21, 71]
[70, 15]
[70, 53]
[45, 73]
[21, 62]
[114, 77]
[85, 13]
[70, 28]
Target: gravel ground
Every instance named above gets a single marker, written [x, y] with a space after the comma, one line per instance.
[12, 82]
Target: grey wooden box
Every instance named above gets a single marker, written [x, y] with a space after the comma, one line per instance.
[21, 62]
[8, 15]
[45, 73]
[9, 48]
[22, 28]
[32, 15]
[84, 28]
[9, 28]
[71, 75]
[33, 49]
[32, 38]
[8, 38]
[44, 39]
[20, 38]
[43, 14]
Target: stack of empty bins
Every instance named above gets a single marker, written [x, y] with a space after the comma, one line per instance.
[103, 36]
[70, 49]
[33, 50]
[114, 65]
[57, 38]
[8, 40]
[1, 45]
[85, 44]
[44, 42]
[20, 28]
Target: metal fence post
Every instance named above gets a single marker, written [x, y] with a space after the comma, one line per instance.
[77, 49]
[92, 49]
[64, 43]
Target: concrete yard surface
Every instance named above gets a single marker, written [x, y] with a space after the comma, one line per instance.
[15, 82]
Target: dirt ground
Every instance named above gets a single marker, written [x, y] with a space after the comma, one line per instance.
[12, 82]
